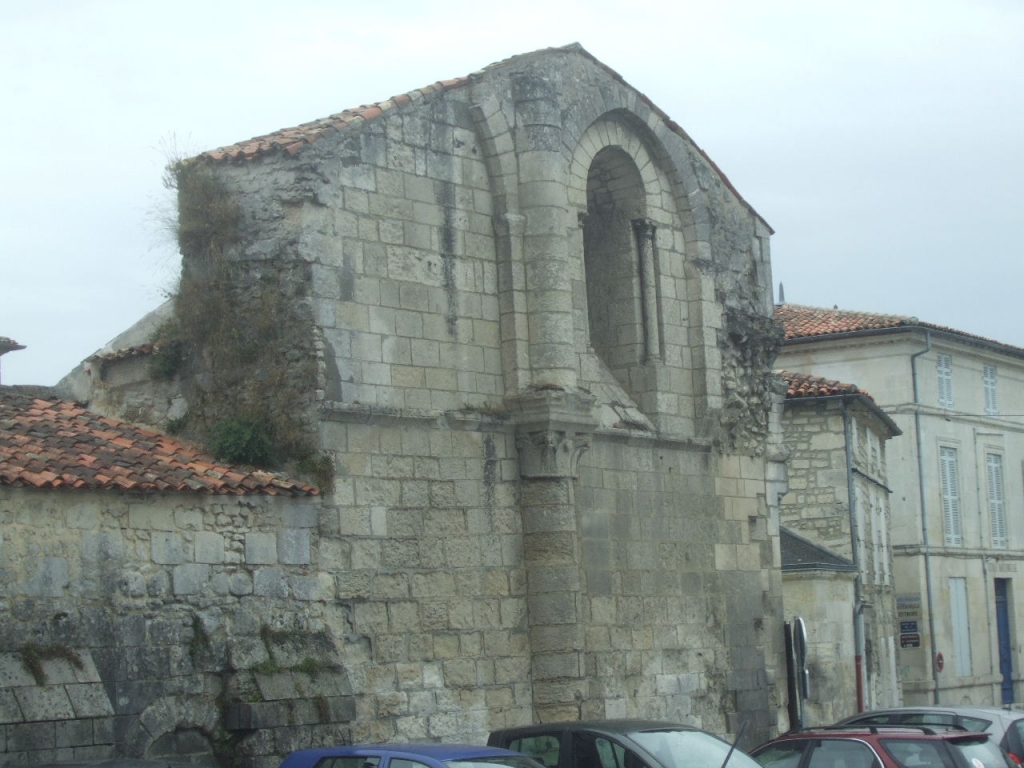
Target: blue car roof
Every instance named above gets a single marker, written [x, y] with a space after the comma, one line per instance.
[435, 751]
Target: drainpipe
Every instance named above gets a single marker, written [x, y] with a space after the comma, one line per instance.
[924, 516]
[858, 603]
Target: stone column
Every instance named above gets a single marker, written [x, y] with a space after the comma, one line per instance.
[645, 229]
[553, 430]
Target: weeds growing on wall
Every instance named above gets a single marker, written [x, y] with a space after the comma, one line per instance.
[33, 656]
[243, 337]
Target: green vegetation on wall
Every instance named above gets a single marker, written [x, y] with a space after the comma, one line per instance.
[242, 340]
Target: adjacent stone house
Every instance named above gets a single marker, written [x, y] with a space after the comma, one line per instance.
[519, 328]
[957, 507]
[836, 556]
[147, 595]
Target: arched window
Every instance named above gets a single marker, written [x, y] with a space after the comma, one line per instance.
[615, 235]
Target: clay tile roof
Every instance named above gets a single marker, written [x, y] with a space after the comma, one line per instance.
[46, 442]
[291, 140]
[800, 322]
[804, 385]
[124, 353]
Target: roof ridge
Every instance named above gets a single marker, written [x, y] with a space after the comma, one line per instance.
[291, 140]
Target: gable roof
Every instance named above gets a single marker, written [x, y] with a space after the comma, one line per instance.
[802, 323]
[292, 140]
[800, 554]
[805, 387]
[46, 442]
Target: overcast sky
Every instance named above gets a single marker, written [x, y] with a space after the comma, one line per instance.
[883, 140]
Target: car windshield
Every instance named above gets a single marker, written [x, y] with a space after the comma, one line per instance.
[981, 752]
[502, 761]
[690, 749]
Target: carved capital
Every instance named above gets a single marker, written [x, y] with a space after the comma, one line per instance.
[553, 429]
[551, 453]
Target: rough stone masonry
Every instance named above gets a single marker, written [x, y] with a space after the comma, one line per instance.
[529, 325]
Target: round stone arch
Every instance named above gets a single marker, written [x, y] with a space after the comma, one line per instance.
[622, 184]
[174, 723]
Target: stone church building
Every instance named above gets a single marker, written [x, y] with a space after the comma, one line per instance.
[517, 328]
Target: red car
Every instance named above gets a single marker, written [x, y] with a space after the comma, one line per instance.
[881, 747]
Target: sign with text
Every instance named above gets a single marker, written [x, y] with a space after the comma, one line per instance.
[908, 616]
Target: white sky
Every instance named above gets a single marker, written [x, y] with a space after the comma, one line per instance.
[883, 140]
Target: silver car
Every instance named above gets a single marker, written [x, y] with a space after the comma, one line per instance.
[1005, 726]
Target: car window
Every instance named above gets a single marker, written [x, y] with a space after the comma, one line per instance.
[690, 749]
[785, 754]
[542, 747]
[842, 753]
[352, 761]
[981, 752]
[402, 762]
[929, 718]
[592, 751]
[916, 753]
[975, 724]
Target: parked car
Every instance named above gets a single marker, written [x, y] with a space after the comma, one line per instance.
[621, 744]
[1006, 726]
[408, 756]
[882, 746]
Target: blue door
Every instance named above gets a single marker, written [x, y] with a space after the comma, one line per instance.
[1003, 630]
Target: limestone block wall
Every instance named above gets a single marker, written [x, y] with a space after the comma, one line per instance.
[824, 600]
[682, 589]
[427, 545]
[166, 626]
[817, 507]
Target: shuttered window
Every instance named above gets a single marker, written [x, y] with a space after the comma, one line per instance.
[996, 501]
[949, 474]
[988, 381]
[945, 372]
[961, 626]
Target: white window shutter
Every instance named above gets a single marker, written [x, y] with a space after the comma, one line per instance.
[949, 476]
[996, 500]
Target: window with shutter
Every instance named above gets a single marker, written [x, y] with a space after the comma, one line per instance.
[989, 385]
[949, 474]
[945, 372]
[961, 626]
[996, 502]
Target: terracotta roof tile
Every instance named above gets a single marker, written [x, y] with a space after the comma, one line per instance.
[804, 385]
[46, 442]
[801, 322]
[123, 353]
[307, 133]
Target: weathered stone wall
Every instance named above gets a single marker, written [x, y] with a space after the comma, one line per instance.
[536, 511]
[165, 625]
[824, 602]
[817, 507]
